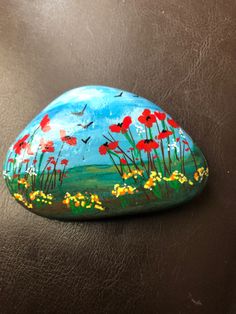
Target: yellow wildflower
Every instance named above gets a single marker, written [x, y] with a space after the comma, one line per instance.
[23, 181]
[99, 207]
[122, 190]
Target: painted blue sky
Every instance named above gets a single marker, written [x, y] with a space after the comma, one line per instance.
[103, 108]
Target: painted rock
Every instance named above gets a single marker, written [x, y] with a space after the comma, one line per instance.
[98, 151]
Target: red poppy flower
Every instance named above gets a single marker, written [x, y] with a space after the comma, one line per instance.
[64, 162]
[147, 145]
[147, 118]
[160, 115]
[20, 144]
[164, 134]
[25, 161]
[121, 127]
[103, 149]
[47, 147]
[53, 162]
[15, 175]
[173, 123]
[49, 168]
[10, 160]
[185, 142]
[34, 161]
[70, 140]
[44, 124]
[50, 158]
[58, 171]
[123, 161]
[177, 139]
[187, 149]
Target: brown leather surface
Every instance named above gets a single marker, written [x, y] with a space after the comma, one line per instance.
[179, 54]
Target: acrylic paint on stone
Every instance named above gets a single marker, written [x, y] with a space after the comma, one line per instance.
[98, 152]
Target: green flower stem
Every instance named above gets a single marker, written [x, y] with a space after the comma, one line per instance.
[168, 140]
[183, 161]
[39, 166]
[114, 163]
[158, 160]
[194, 160]
[176, 154]
[166, 170]
[54, 168]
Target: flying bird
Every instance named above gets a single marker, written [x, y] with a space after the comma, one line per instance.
[85, 126]
[119, 95]
[80, 113]
[86, 140]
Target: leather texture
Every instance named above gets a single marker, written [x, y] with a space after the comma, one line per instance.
[179, 54]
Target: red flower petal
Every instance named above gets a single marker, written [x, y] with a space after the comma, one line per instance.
[160, 115]
[164, 134]
[123, 161]
[113, 145]
[20, 144]
[70, 140]
[103, 150]
[142, 119]
[44, 124]
[115, 128]
[126, 122]
[146, 112]
[173, 123]
[185, 142]
[64, 162]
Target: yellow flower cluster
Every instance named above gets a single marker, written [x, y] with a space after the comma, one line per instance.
[177, 176]
[41, 197]
[157, 177]
[200, 173]
[21, 199]
[154, 176]
[84, 201]
[122, 190]
[23, 181]
[133, 174]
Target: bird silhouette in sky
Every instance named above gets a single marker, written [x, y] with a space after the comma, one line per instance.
[85, 126]
[120, 95]
[86, 140]
[80, 113]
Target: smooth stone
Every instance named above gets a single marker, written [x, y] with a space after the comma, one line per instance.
[97, 151]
